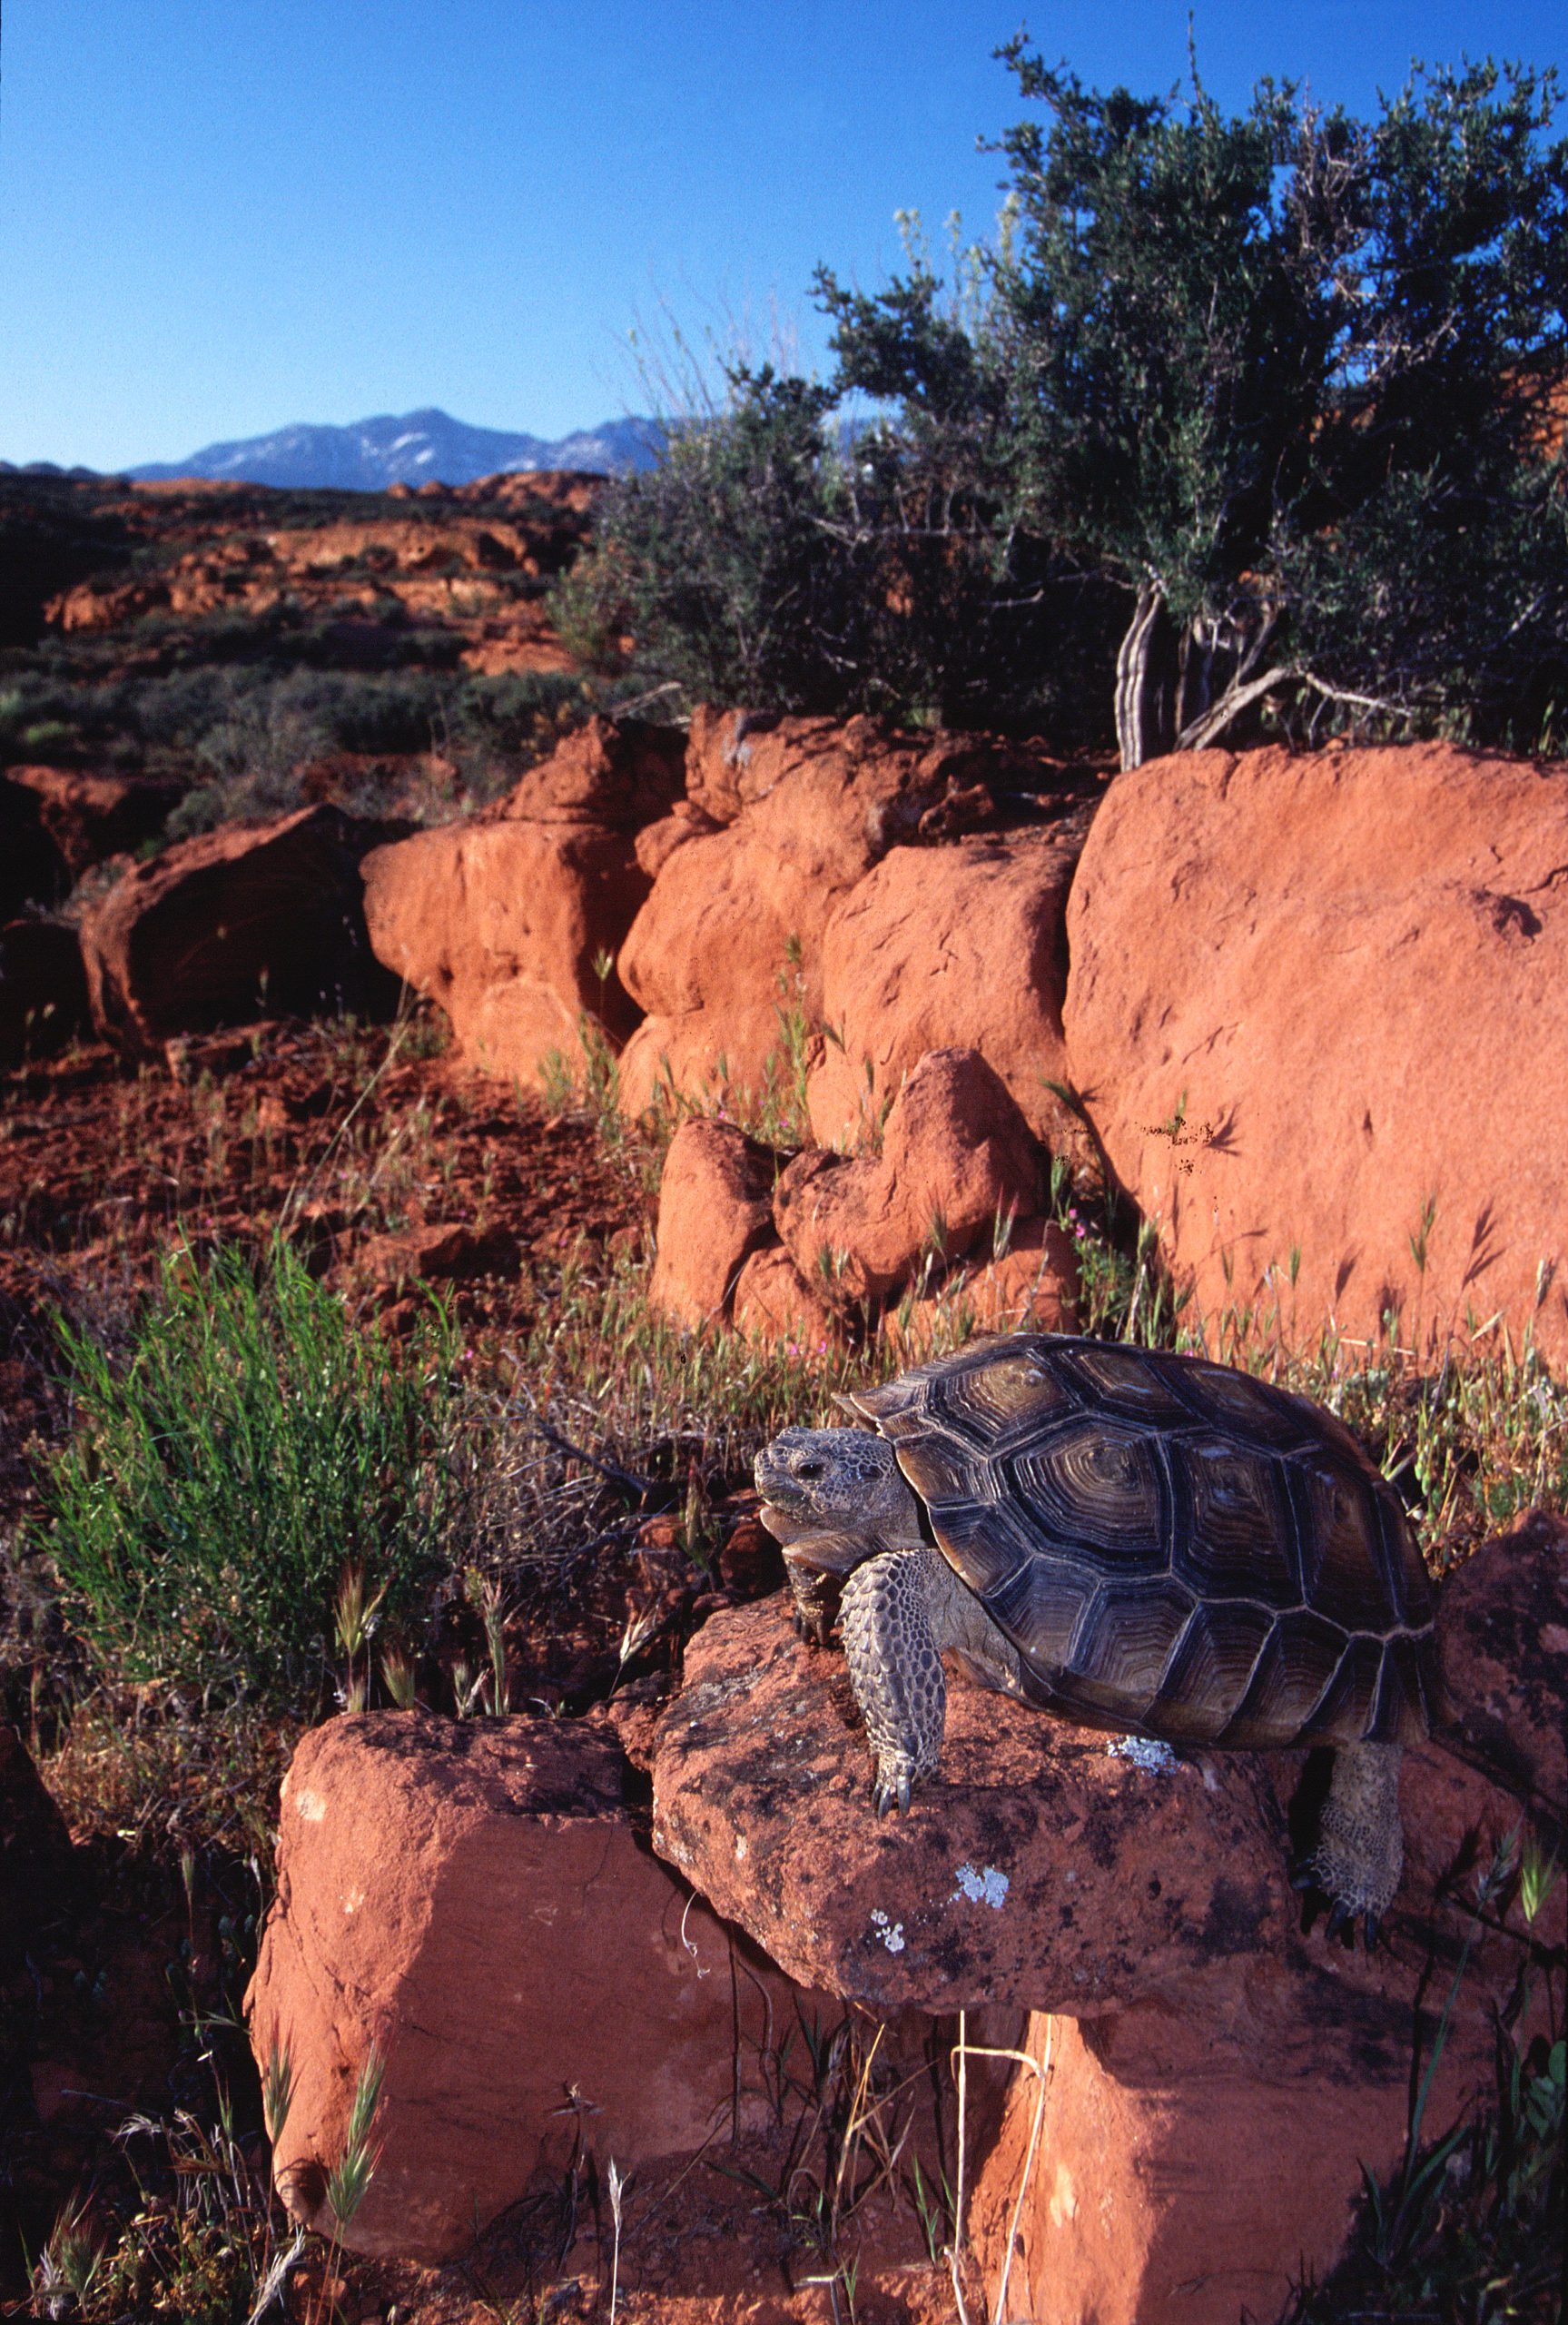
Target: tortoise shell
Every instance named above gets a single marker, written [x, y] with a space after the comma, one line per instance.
[1174, 1548]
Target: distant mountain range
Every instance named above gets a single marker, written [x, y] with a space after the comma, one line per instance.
[420, 448]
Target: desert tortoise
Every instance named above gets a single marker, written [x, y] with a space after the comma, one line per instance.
[1136, 1540]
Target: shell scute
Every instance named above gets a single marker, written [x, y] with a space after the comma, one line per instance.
[1098, 1489]
[1121, 1652]
[989, 1544]
[941, 1471]
[1043, 1607]
[1209, 1671]
[1347, 1572]
[1348, 1710]
[1235, 1535]
[1405, 1706]
[1005, 1402]
[1125, 1380]
[1299, 1659]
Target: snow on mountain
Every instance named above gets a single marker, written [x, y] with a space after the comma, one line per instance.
[370, 454]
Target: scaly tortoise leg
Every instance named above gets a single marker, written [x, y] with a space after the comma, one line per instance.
[1360, 1851]
[895, 1669]
[815, 1565]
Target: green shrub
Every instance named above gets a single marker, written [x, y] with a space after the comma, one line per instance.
[251, 1444]
[772, 559]
[1245, 420]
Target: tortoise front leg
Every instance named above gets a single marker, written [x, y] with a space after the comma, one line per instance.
[895, 1669]
[815, 1565]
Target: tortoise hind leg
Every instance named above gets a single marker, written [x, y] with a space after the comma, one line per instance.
[1360, 1851]
[895, 1667]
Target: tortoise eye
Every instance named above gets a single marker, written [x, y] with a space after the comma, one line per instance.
[808, 1467]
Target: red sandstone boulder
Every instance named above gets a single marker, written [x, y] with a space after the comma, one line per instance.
[471, 1898]
[622, 773]
[449, 1253]
[958, 946]
[507, 920]
[1184, 2176]
[31, 868]
[218, 928]
[1034, 1287]
[789, 814]
[505, 923]
[1308, 1006]
[657, 843]
[1504, 1634]
[42, 989]
[1218, 2080]
[716, 1207]
[957, 1158]
[91, 816]
[775, 1304]
[998, 1883]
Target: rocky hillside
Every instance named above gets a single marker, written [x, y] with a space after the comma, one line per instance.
[468, 560]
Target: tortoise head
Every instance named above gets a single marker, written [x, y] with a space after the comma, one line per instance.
[841, 1489]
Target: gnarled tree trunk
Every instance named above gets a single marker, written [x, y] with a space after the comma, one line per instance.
[1180, 689]
[1148, 676]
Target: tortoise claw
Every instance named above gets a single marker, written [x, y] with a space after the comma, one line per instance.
[1369, 1929]
[1341, 1922]
[1303, 1875]
[891, 1792]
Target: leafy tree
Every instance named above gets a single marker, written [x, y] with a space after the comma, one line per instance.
[1285, 380]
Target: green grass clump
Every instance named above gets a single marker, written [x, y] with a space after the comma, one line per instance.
[250, 1445]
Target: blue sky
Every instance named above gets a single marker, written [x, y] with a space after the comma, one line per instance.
[217, 216]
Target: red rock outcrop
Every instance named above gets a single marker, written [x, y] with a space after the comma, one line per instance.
[774, 1303]
[42, 989]
[957, 1158]
[1217, 2079]
[716, 1208]
[448, 1253]
[622, 774]
[31, 868]
[91, 816]
[959, 946]
[470, 1898]
[786, 815]
[215, 929]
[1504, 1636]
[502, 923]
[1033, 1287]
[1308, 1006]
[1181, 2177]
[507, 920]
[481, 575]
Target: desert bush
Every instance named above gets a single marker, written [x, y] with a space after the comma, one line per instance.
[250, 1446]
[775, 557]
[1242, 362]
[1244, 419]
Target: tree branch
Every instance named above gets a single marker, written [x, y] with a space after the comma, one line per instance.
[1236, 699]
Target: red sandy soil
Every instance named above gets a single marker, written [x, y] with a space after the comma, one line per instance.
[104, 1166]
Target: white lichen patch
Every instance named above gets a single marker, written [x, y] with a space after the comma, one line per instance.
[1144, 1752]
[987, 1887]
[890, 1931]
